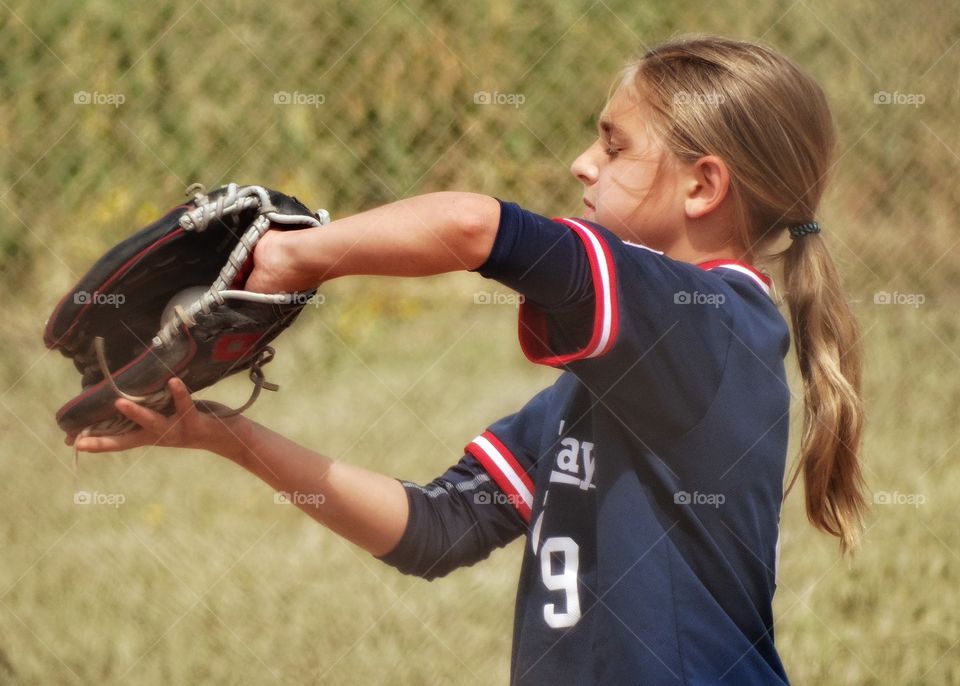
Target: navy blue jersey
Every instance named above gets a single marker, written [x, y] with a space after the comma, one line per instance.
[650, 475]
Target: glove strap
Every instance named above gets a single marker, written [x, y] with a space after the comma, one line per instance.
[237, 199]
[259, 383]
[159, 399]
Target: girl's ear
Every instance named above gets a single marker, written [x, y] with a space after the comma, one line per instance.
[707, 183]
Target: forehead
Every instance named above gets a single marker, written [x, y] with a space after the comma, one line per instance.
[625, 112]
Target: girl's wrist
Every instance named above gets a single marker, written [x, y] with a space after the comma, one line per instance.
[282, 263]
[303, 252]
[231, 439]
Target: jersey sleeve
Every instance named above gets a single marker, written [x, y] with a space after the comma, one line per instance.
[565, 271]
[633, 324]
[481, 503]
[455, 521]
[508, 451]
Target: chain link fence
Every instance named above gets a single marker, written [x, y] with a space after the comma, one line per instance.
[109, 110]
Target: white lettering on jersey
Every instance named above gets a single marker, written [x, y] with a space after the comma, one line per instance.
[566, 552]
[567, 458]
[571, 456]
[535, 536]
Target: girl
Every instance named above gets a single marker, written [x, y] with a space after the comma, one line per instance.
[648, 479]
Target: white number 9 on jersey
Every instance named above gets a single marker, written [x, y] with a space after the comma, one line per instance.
[564, 579]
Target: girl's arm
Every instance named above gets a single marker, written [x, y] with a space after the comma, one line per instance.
[366, 508]
[419, 236]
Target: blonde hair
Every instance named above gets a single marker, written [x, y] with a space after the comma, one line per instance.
[770, 123]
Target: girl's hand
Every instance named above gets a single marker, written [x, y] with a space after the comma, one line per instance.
[188, 427]
[278, 264]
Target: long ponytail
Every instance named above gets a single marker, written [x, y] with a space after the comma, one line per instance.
[829, 353]
[771, 124]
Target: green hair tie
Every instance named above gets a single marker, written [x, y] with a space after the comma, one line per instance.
[803, 229]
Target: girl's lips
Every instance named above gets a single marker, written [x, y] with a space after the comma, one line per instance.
[588, 204]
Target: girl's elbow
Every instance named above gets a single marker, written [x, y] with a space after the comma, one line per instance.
[477, 218]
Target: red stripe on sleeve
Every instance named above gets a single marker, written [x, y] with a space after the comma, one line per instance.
[505, 471]
[606, 321]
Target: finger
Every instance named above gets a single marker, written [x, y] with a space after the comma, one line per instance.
[106, 444]
[142, 416]
[253, 282]
[218, 411]
[181, 396]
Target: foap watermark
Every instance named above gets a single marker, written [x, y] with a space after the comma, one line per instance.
[298, 98]
[698, 298]
[305, 299]
[497, 298]
[698, 498]
[898, 298]
[898, 498]
[682, 98]
[114, 500]
[496, 498]
[98, 298]
[498, 98]
[298, 498]
[898, 98]
[98, 98]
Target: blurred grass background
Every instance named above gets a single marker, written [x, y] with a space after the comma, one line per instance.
[198, 576]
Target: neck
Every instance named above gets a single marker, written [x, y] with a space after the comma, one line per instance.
[710, 237]
[688, 253]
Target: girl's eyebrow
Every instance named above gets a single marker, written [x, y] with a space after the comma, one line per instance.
[606, 126]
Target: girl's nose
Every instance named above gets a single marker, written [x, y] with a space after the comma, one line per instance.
[584, 168]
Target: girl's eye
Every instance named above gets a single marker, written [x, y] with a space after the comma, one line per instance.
[609, 149]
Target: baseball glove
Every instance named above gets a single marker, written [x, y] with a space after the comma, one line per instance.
[168, 301]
